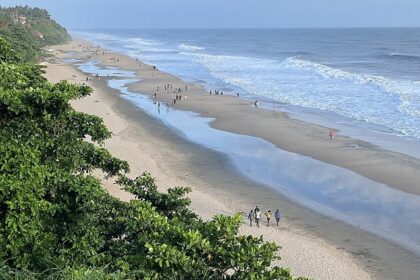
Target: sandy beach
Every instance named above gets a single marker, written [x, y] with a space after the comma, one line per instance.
[312, 245]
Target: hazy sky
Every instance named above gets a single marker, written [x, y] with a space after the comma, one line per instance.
[77, 14]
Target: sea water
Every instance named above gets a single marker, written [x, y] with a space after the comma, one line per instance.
[364, 78]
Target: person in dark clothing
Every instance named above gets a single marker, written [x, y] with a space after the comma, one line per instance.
[251, 217]
[277, 216]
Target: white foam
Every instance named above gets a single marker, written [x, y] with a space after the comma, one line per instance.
[144, 42]
[404, 55]
[187, 47]
[394, 104]
[407, 91]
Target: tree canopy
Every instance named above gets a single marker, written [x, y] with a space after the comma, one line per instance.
[28, 37]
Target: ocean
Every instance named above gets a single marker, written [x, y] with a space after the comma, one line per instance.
[369, 78]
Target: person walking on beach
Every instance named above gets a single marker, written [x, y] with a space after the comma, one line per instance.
[268, 216]
[277, 216]
[257, 216]
[256, 103]
[251, 217]
[331, 134]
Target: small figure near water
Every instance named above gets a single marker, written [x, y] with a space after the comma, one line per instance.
[251, 217]
[277, 216]
[331, 134]
[268, 216]
[257, 215]
[256, 103]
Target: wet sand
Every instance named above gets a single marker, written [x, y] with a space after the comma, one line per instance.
[313, 245]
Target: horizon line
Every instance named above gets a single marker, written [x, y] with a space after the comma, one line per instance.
[175, 28]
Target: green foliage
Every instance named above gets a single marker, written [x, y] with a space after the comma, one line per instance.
[29, 37]
[24, 11]
[171, 204]
[7, 53]
[51, 31]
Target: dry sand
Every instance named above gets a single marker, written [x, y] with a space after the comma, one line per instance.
[313, 245]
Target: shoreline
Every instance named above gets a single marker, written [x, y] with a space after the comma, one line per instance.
[393, 169]
[252, 194]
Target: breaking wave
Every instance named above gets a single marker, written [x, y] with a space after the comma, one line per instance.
[186, 47]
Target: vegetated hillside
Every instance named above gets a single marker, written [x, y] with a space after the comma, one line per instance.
[29, 29]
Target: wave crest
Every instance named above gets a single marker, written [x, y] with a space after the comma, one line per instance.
[187, 47]
[403, 56]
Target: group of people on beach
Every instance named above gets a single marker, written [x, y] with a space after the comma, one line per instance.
[216, 92]
[179, 97]
[254, 216]
[170, 88]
